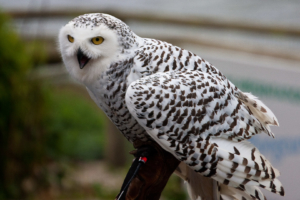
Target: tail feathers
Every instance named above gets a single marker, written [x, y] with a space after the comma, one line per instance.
[244, 157]
[198, 186]
[245, 167]
[274, 186]
[248, 193]
[259, 110]
[203, 188]
[254, 192]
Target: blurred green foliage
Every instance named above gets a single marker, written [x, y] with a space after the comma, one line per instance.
[22, 114]
[78, 127]
[104, 193]
[174, 189]
[38, 125]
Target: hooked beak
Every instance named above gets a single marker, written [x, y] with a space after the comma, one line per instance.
[82, 59]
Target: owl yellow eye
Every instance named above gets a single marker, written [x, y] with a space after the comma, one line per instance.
[97, 40]
[70, 38]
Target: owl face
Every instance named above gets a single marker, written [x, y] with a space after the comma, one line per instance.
[88, 48]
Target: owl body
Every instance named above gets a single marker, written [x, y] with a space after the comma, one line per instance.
[152, 90]
[151, 57]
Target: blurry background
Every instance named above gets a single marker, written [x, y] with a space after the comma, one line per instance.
[56, 144]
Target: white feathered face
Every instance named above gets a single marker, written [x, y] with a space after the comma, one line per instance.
[87, 50]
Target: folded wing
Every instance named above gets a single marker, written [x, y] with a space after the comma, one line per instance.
[205, 124]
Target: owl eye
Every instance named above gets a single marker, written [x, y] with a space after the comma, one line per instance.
[70, 38]
[97, 40]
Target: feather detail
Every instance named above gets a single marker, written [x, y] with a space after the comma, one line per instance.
[152, 90]
[218, 149]
[198, 186]
[249, 168]
[259, 110]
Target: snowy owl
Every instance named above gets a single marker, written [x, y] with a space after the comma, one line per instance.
[153, 90]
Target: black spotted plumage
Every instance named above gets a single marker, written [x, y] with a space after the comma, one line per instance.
[152, 90]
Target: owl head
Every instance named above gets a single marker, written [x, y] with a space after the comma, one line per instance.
[90, 43]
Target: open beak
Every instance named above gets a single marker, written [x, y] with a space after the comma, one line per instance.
[82, 59]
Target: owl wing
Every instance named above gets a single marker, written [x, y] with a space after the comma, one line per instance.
[198, 119]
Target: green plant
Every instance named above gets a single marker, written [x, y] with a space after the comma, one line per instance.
[174, 189]
[21, 117]
[77, 128]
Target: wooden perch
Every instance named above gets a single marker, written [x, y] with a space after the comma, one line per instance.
[153, 176]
